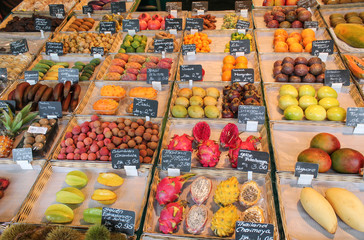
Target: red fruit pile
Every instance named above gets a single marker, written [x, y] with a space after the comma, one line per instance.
[156, 22]
[94, 140]
[287, 17]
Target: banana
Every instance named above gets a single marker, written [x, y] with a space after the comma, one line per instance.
[66, 88]
[19, 91]
[66, 102]
[58, 90]
[47, 94]
[33, 91]
[50, 78]
[76, 89]
[39, 93]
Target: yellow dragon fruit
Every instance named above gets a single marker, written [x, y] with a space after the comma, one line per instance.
[223, 221]
[227, 192]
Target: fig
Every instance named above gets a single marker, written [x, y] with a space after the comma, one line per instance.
[281, 78]
[301, 70]
[314, 60]
[288, 60]
[309, 78]
[294, 79]
[288, 68]
[301, 60]
[316, 69]
[297, 24]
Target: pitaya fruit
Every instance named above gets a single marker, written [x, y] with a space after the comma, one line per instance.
[229, 136]
[208, 153]
[171, 215]
[183, 143]
[169, 188]
[201, 132]
[249, 144]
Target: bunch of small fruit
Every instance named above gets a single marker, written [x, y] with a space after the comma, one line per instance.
[294, 42]
[200, 39]
[163, 35]
[350, 17]
[239, 36]
[299, 70]
[133, 44]
[325, 150]
[4, 183]
[316, 108]
[196, 103]
[94, 140]
[229, 63]
[280, 2]
[236, 95]
[287, 17]
[156, 22]
[231, 19]
[81, 24]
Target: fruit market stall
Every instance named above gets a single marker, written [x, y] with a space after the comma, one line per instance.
[156, 20]
[102, 7]
[42, 6]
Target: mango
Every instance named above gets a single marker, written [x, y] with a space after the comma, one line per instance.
[352, 34]
[316, 155]
[110, 179]
[70, 195]
[92, 215]
[347, 160]
[76, 179]
[104, 196]
[325, 141]
[59, 213]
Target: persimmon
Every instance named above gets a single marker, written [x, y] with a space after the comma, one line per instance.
[226, 76]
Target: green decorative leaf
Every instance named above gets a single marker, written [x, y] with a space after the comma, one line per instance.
[17, 119]
[30, 117]
[17, 127]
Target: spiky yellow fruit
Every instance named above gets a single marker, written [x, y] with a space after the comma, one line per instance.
[223, 221]
[227, 192]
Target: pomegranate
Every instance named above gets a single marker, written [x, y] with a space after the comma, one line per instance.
[143, 25]
[144, 16]
[154, 25]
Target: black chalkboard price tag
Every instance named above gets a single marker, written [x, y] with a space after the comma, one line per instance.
[3, 74]
[97, 50]
[240, 24]
[190, 72]
[145, 107]
[57, 10]
[188, 48]
[322, 46]
[173, 23]
[20, 46]
[50, 109]
[157, 75]
[354, 116]
[310, 24]
[32, 77]
[68, 74]
[240, 5]
[163, 45]
[337, 76]
[107, 27]
[118, 7]
[253, 231]
[22, 154]
[4, 104]
[130, 24]
[306, 168]
[240, 46]
[254, 161]
[117, 220]
[251, 113]
[173, 6]
[124, 157]
[176, 159]
[203, 5]
[54, 47]
[43, 24]
[194, 23]
[242, 75]
[87, 9]
[305, 3]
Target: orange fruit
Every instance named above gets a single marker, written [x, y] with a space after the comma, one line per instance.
[308, 40]
[281, 47]
[308, 47]
[279, 39]
[229, 59]
[291, 40]
[241, 59]
[227, 67]
[226, 76]
[280, 32]
[296, 35]
[308, 33]
[295, 47]
[241, 65]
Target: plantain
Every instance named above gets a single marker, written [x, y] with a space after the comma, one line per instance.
[33, 91]
[74, 104]
[76, 90]
[19, 91]
[11, 95]
[66, 102]
[47, 94]
[66, 88]
[25, 95]
[58, 90]
[39, 93]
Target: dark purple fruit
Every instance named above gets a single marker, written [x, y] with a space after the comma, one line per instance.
[227, 114]
[297, 24]
[304, 15]
[233, 94]
[288, 60]
[309, 78]
[288, 68]
[277, 63]
[301, 60]
[234, 105]
[281, 78]
[291, 16]
[314, 60]
[251, 101]
[301, 70]
[279, 16]
[323, 67]
[226, 89]
[294, 79]
[320, 78]
[273, 24]
[268, 16]
[285, 24]
[316, 69]
[277, 70]
[300, 9]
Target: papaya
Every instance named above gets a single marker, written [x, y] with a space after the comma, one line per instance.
[352, 34]
[356, 65]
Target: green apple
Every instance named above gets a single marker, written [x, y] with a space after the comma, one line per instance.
[293, 112]
[336, 114]
[306, 90]
[326, 91]
[315, 113]
[306, 101]
[329, 102]
[287, 100]
[288, 90]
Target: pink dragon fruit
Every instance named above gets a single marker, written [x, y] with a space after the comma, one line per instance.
[183, 143]
[171, 215]
[249, 144]
[229, 136]
[208, 153]
[169, 188]
[201, 132]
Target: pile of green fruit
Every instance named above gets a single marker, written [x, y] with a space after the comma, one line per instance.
[133, 44]
[315, 108]
[351, 17]
[87, 70]
[239, 36]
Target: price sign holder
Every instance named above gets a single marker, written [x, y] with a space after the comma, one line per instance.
[20, 46]
[190, 72]
[54, 47]
[253, 161]
[322, 46]
[253, 231]
[172, 159]
[337, 78]
[173, 24]
[68, 74]
[23, 157]
[3, 74]
[194, 24]
[107, 27]
[200, 6]
[242, 75]
[157, 75]
[189, 49]
[50, 109]
[57, 10]
[4, 104]
[121, 158]
[163, 45]
[97, 52]
[306, 172]
[355, 118]
[118, 220]
[131, 25]
[173, 6]
[87, 10]
[240, 46]
[31, 77]
[145, 107]
[118, 7]
[242, 5]
[252, 116]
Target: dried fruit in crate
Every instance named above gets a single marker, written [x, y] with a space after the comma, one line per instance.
[227, 192]
[196, 219]
[253, 214]
[201, 132]
[163, 35]
[81, 24]
[200, 189]
[11, 125]
[106, 106]
[208, 153]
[209, 21]
[182, 143]
[76, 179]
[112, 91]
[27, 24]
[110, 179]
[104, 196]
[250, 194]
[229, 135]
[223, 221]
[70, 195]
[171, 215]
[200, 39]
[250, 143]
[92, 215]
[169, 188]
[59, 213]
